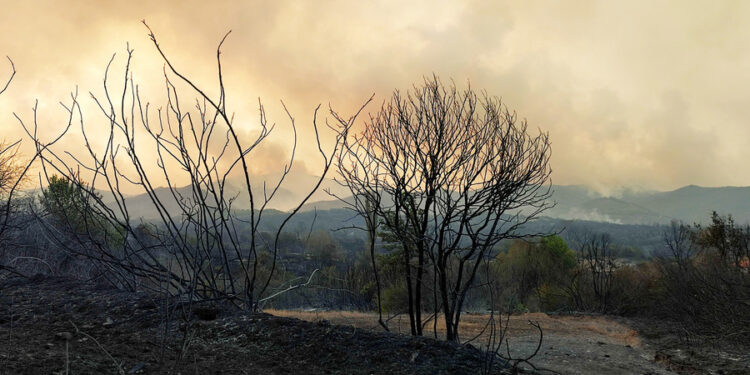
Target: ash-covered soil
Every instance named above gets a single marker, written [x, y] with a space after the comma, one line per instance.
[60, 326]
[63, 326]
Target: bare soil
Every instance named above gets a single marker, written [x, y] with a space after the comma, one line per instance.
[585, 344]
[581, 344]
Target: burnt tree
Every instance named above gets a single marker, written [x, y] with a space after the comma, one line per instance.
[450, 173]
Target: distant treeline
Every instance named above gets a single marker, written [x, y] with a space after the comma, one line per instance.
[644, 240]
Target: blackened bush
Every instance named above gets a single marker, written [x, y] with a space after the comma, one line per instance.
[705, 278]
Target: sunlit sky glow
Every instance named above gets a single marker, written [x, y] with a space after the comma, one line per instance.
[650, 94]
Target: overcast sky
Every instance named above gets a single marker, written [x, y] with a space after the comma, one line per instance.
[651, 94]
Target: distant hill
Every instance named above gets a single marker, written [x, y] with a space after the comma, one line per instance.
[141, 205]
[618, 210]
[695, 204]
[635, 219]
[649, 238]
[332, 204]
[606, 209]
[692, 204]
[289, 194]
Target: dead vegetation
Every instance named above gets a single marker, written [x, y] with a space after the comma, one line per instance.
[183, 294]
[61, 326]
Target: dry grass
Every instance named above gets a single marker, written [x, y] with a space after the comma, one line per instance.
[600, 327]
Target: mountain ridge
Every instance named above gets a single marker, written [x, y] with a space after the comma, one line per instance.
[690, 203]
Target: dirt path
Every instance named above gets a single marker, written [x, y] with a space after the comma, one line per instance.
[571, 344]
[587, 345]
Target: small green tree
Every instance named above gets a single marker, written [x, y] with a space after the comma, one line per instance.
[69, 206]
[536, 269]
[322, 249]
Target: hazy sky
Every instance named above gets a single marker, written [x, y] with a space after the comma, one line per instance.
[651, 94]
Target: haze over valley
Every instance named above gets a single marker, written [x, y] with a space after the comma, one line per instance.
[381, 187]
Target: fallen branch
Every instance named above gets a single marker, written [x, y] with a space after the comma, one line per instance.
[32, 258]
[262, 301]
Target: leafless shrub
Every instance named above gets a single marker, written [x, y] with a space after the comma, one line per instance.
[592, 282]
[705, 277]
[194, 247]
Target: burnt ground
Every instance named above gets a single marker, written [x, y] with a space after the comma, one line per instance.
[690, 354]
[58, 326]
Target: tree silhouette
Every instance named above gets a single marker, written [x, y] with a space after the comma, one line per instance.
[451, 173]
